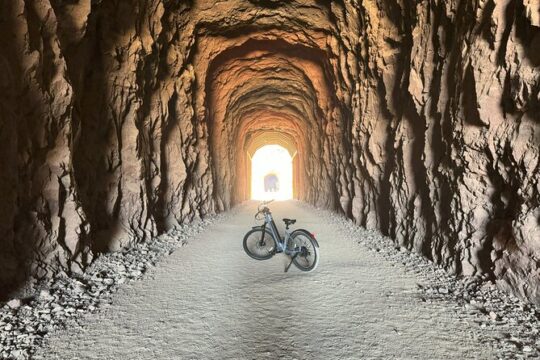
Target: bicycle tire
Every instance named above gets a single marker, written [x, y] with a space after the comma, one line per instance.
[308, 259]
[259, 251]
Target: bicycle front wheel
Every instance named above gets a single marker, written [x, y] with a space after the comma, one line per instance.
[307, 258]
[258, 246]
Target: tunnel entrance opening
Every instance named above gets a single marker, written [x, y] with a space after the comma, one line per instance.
[271, 174]
[261, 91]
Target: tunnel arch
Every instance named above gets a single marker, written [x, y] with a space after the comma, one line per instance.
[283, 90]
[258, 139]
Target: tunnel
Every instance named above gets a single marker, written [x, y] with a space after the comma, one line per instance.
[121, 121]
[272, 92]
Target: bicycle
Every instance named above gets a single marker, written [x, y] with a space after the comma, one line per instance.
[264, 241]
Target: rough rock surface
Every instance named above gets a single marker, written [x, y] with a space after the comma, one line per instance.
[121, 119]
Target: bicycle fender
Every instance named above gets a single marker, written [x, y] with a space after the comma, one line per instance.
[308, 233]
[258, 227]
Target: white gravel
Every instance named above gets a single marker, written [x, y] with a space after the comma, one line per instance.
[209, 300]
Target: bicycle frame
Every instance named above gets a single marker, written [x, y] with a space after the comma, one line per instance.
[287, 244]
[281, 242]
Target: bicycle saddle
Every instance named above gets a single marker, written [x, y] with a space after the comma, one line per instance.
[289, 221]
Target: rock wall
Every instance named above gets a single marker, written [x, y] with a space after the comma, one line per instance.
[41, 225]
[456, 167]
[120, 119]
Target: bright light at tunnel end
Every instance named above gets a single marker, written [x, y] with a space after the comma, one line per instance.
[271, 174]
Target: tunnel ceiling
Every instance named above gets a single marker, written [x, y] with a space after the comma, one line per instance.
[122, 119]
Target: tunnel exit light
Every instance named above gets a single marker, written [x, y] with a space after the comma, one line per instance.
[271, 174]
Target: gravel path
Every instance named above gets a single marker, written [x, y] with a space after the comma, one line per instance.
[209, 300]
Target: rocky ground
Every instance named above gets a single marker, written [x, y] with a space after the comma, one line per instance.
[505, 325]
[25, 322]
[470, 298]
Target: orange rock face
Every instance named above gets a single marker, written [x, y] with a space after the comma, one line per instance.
[122, 119]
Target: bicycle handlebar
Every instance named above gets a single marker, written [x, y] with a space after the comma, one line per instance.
[264, 210]
[266, 202]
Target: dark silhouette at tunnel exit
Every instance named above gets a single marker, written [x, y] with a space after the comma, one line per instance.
[271, 183]
[271, 173]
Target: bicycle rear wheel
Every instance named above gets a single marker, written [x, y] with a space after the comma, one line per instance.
[259, 247]
[308, 256]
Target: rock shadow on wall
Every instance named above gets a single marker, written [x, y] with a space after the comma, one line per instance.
[499, 230]
[470, 99]
[527, 27]
[97, 146]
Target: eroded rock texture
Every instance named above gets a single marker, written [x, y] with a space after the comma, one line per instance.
[121, 119]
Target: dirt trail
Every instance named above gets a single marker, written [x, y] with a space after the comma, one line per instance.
[209, 300]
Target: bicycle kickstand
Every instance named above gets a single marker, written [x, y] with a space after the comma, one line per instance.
[292, 259]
